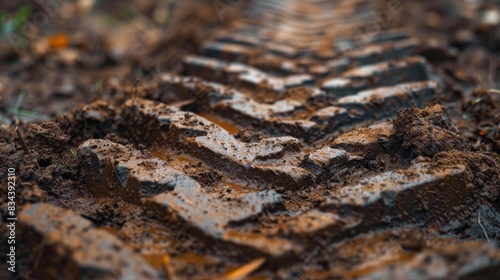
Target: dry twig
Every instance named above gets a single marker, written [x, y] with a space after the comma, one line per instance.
[135, 90]
[25, 148]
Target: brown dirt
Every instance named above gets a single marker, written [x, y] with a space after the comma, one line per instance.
[132, 161]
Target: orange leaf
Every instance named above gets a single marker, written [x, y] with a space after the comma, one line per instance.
[58, 41]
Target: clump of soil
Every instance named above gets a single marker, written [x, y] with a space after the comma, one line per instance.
[47, 162]
[483, 172]
[50, 136]
[249, 136]
[437, 116]
[421, 137]
[95, 120]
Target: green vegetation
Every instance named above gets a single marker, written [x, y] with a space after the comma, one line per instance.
[15, 23]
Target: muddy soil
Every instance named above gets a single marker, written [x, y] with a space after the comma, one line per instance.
[251, 140]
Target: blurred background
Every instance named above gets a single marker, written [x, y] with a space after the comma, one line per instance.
[57, 54]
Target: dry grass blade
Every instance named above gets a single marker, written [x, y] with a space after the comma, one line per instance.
[493, 90]
[244, 270]
[481, 225]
